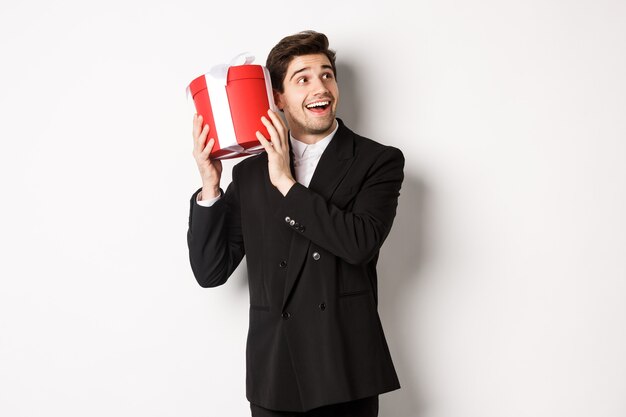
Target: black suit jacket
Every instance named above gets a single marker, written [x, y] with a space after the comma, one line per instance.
[315, 337]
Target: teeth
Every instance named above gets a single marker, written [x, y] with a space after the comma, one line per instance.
[318, 104]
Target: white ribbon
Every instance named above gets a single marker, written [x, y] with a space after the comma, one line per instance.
[216, 80]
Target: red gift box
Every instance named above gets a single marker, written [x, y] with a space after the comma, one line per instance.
[231, 100]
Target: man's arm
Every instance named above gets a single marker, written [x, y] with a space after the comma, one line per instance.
[355, 235]
[210, 170]
[214, 237]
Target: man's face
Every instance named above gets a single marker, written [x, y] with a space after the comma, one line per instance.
[310, 96]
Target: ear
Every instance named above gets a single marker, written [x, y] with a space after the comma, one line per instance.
[278, 99]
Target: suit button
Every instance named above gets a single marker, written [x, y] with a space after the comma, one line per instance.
[301, 228]
[282, 264]
[287, 219]
[316, 256]
[286, 315]
[322, 306]
[292, 222]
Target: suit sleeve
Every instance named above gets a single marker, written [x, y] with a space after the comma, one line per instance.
[215, 238]
[356, 235]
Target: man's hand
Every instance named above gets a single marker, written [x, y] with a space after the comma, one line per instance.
[277, 152]
[210, 170]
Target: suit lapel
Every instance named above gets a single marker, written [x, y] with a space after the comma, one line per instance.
[334, 163]
[331, 168]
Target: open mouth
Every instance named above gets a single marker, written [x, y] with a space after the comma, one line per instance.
[318, 106]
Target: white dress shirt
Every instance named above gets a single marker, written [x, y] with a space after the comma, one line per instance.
[305, 159]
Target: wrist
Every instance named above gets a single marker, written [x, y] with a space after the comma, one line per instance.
[209, 192]
[285, 185]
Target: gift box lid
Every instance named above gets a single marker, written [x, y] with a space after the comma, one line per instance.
[236, 73]
[242, 72]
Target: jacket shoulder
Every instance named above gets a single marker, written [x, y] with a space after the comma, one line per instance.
[251, 163]
[370, 147]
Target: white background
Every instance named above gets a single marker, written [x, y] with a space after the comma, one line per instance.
[502, 285]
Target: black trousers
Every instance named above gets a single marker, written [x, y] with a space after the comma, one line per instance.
[364, 407]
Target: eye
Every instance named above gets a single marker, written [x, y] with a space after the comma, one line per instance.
[327, 76]
[301, 80]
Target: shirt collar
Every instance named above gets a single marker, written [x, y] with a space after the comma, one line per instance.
[299, 148]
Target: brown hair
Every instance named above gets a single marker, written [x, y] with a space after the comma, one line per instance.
[302, 43]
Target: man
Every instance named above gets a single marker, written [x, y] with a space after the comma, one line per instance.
[310, 214]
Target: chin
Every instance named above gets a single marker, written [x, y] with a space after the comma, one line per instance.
[321, 126]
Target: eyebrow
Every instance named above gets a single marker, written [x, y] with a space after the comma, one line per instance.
[308, 68]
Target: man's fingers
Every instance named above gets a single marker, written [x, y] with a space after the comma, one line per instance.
[266, 143]
[270, 129]
[278, 123]
[200, 140]
[277, 140]
[208, 148]
[197, 125]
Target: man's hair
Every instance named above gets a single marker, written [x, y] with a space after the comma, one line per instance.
[303, 43]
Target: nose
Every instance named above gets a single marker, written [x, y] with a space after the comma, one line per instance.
[319, 86]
